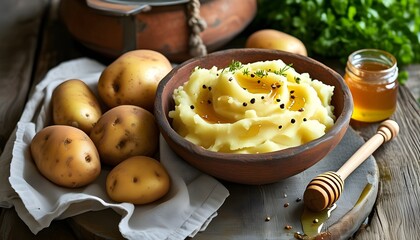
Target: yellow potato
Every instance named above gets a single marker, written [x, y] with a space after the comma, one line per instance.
[74, 104]
[125, 131]
[133, 79]
[138, 180]
[66, 156]
[274, 39]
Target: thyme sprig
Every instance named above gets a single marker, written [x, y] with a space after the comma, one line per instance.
[261, 73]
[282, 71]
[235, 65]
[245, 71]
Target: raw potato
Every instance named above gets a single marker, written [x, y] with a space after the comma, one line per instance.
[133, 79]
[137, 180]
[125, 131]
[74, 104]
[274, 39]
[66, 156]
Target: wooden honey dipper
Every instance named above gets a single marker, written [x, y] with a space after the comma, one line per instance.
[325, 189]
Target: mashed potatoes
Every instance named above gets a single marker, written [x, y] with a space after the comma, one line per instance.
[252, 108]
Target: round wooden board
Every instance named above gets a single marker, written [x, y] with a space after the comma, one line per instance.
[244, 213]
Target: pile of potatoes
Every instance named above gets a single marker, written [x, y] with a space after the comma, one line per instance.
[85, 136]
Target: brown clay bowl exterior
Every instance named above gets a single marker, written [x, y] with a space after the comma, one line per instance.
[260, 168]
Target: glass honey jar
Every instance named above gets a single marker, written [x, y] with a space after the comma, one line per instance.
[371, 76]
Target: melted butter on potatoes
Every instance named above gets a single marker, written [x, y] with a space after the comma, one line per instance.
[252, 108]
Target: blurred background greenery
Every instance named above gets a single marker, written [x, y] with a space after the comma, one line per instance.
[336, 28]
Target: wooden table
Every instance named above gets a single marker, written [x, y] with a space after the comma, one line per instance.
[33, 40]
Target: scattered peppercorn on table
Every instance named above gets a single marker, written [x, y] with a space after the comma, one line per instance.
[31, 46]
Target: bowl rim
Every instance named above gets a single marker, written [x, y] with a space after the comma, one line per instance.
[342, 120]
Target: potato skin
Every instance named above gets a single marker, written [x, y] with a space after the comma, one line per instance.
[274, 39]
[138, 180]
[132, 79]
[125, 131]
[74, 104]
[66, 156]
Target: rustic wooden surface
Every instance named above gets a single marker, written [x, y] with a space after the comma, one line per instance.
[244, 213]
[18, 42]
[33, 40]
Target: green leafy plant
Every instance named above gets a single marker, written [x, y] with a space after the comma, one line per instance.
[336, 28]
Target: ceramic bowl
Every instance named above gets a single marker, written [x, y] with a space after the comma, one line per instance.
[262, 168]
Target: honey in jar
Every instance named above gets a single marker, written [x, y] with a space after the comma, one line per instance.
[371, 76]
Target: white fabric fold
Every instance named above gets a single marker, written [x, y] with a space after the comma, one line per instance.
[188, 208]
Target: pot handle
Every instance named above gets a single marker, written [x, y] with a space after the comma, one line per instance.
[117, 9]
[129, 7]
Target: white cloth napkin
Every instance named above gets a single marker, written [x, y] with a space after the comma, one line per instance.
[190, 205]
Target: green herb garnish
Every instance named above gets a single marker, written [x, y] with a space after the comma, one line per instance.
[245, 71]
[338, 28]
[283, 70]
[260, 73]
[235, 65]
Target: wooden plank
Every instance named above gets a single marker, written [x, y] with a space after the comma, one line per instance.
[413, 82]
[19, 24]
[395, 215]
[58, 45]
[244, 213]
[12, 227]
[23, 32]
